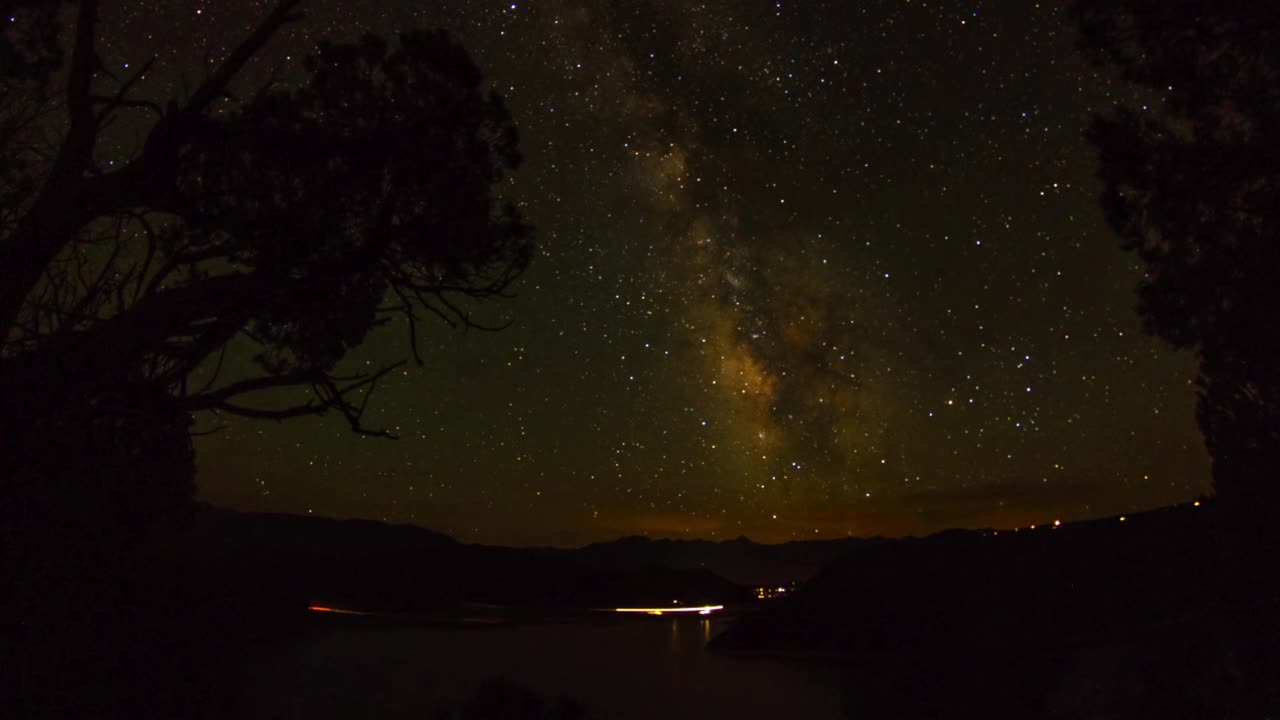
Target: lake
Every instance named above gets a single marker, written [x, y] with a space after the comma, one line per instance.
[615, 669]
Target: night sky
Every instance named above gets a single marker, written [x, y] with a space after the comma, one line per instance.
[805, 270]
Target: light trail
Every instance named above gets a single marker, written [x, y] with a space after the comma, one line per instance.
[701, 610]
[339, 611]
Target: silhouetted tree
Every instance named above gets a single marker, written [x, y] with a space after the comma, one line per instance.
[1192, 185]
[282, 224]
[291, 222]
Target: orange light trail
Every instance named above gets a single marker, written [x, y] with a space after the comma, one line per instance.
[339, 611]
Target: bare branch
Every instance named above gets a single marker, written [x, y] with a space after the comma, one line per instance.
[151, 252]
[217, 369]
[211, 431]
[467, 322]
[130, 104]
[121, 98]
[407, 309]
[329, 395]
[215, 85]
[210, 400]
[92, 290]
[268, 414]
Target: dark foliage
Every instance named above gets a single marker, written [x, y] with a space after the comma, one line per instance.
[498, 699]
[283, 226]
[1100, 619]
[295, 221]
[1192, 186]
[28, 54]
[291, 223]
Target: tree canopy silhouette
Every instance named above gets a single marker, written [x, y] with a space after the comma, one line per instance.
[282, 222]
[288, 221]
[1192, 186]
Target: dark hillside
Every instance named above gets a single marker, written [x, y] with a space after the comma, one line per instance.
[740, 560]
[1103, 618]
[289, 560]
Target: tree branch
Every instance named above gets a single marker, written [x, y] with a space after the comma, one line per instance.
[412, 319]
[152, 240]
[335, 397]
[215, 85]
[265, 414]
[467, 322]
[84, 60]
[212, 399]
[217, 368]
[120, 99]
[329, 394]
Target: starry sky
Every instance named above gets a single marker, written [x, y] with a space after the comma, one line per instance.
[805, 270]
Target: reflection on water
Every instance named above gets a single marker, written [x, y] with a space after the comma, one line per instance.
[619, 669]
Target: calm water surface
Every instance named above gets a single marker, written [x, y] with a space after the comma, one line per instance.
[641, 668]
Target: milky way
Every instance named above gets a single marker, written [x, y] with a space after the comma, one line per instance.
[805, 270]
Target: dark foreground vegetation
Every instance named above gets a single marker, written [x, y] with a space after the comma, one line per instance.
[134, 268]
[160, 629]
[1162, 614]
[1159, 614]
